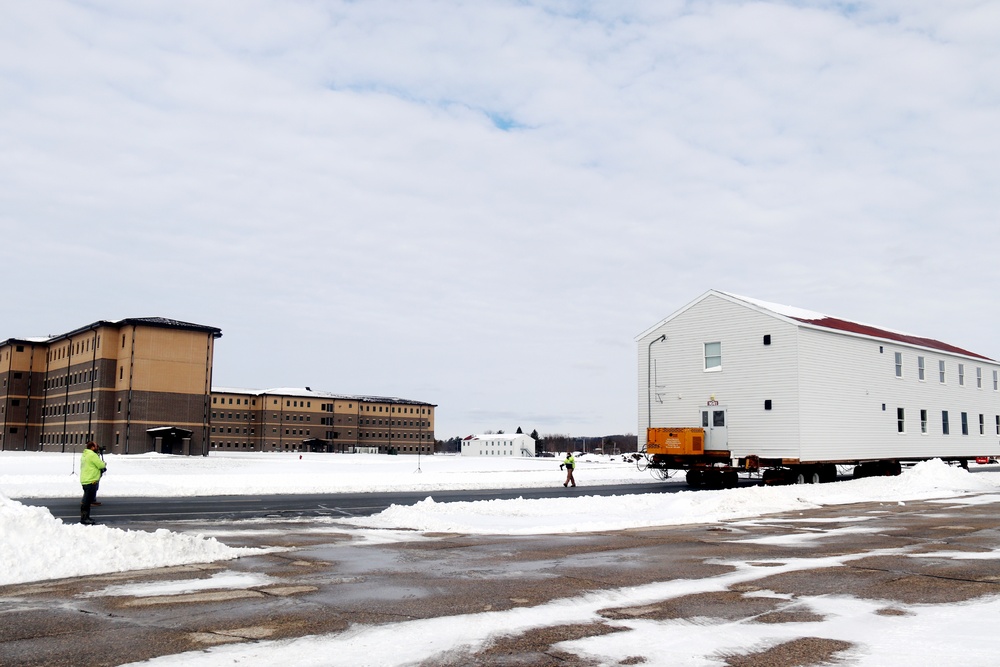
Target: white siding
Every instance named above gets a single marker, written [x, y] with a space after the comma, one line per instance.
[846, 380]
[826, 388]
[516, 445]
[751, 373]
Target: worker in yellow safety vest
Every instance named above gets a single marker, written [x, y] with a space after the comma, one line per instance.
[569, 463]
[92, 466]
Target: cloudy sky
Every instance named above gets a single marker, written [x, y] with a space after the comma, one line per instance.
[481, 204]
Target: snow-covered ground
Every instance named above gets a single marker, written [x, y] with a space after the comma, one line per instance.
[36, 546]
[34, 475]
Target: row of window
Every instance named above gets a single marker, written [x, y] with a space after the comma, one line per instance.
[945, 422]
[84, 407]
[78, 347]
[228, 444]
[327, 421]
[229, 429]
[239, 401]
[942, 372]
[69, 438]
[325, 407]
[71, 379]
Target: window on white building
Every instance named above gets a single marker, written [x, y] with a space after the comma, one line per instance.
[941, 371]
[713, 356]
[900, 420]
[899, 364]
[961, 375]
[923, 421]
[979, 377]
[944, 422]
[920, 368]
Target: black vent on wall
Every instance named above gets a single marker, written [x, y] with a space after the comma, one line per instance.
[767, 339]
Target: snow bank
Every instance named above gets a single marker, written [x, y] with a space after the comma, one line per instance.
[927, 480]
[34, 545]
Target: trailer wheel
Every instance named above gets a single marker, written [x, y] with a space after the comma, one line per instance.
[732, 479]
[713, 479]
[827, 473]
[771, 476]
[800, 478]
[815, 478]
[694, 478]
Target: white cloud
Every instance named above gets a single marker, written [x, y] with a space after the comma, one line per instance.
[376, 178]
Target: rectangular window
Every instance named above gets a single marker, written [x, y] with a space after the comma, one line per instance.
[944, 422]
[923, 421]
[713, 356]
[899, 364]
[996, 380]
[979, 377]
[998, 424]
[961, 375]
[920, 368]
[900, 420]
[982, 424]
[965, 423]
[941, 371]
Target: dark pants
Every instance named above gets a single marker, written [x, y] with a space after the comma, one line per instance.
[89, 496]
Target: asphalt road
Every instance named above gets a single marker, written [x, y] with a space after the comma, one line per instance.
[115, 510]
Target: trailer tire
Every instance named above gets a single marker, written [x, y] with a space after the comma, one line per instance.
[827, 473]
[694, 478]
[800, 478]
[714, 479]
[732, 479]
[815, 478]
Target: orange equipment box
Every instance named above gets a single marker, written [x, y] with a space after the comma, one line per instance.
[675, 441]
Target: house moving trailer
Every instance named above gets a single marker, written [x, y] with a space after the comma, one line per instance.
[729, 384]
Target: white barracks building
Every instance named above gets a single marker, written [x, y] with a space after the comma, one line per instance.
[499, 444]
[789, 384]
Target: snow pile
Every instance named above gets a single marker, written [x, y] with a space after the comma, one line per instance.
[54, 475]
[927, 480]
[34, 545]
[937, 475]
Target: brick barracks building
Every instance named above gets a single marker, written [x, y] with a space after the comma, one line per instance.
[145, 385]
[307, 420]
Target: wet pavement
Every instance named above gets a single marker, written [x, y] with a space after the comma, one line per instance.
[330, 577]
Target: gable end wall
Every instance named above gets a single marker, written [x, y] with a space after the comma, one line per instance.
[751, 373]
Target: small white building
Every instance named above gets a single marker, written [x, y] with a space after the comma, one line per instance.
[499, 444]
[785, 383]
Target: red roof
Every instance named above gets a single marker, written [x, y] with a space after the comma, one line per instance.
[875, 332]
